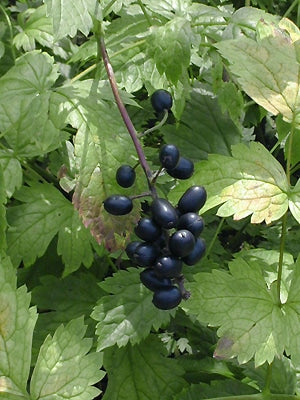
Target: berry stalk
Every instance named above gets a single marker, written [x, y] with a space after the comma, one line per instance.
[125, 116]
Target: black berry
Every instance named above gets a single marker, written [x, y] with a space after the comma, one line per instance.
[169, 156]
[197, 252]
[161, 100]
[145, 254]
[118, 205]
[193, 199]
[192, 222]
[125, 176]
[147, 230]
[152, 281]
[183, 170]
[168, 298]
[164, 213]
[181, 243]
[131, 247]
[168, 267]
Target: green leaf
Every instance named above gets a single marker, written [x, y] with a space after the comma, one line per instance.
[227, 300]
[34, 223]
[250, 182]
[203, 127]
[101, 144]
[74, 244]
[127, 315]
[134, 365]
[267, 69]
[69, 17]
[38, 27]
[12, 172]
[17, 321]
[170, 47]
[217, 389]
[61, 300]
[24, 92]
[64, 370]
[3, 223]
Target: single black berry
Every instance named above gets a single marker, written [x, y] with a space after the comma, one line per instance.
[164, 213]
[193, 199]
[197, 252]
[168, 266]
[168, 298]
[192, 222]
[181, 243]
[149, 278]
[125, 176]
[161, 100]
[147, 229]
[131, 247]
[183, 170]
[118, 205]
[169, 156]
[145, 254]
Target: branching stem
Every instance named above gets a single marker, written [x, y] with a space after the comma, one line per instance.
[124, 114]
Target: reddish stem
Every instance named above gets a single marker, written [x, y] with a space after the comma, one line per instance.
[125, 116]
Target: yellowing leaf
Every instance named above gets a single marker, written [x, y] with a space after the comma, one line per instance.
[267, 69]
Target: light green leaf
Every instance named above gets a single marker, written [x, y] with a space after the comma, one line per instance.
[135, 364]
[24, 92]
[294, 203]
[127, 315]
[33, 225]
[69, 17]
[250, 182]
[101, 144]
[38, 27]
[227, 300]
[17, 321]
[267, 70]
[64, 370]
[170, 47]
[203, 127]
[12, 172]
[74, 244]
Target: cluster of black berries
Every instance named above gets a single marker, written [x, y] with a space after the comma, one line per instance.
[169, 236]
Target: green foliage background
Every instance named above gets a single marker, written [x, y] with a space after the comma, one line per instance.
[75, 321]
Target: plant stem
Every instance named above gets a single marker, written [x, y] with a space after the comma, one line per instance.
[284, 218]
[111, 3]
[290, 9]
[124, 114]
[159, 125]
[218, 230]
[93, 66]
[10, 31]
[145, 12]
[266, 389]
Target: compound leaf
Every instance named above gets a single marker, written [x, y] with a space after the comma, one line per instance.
[34, 223]
[203, 128]
[227, 300]
[252, 181]
[268, 68]
[69, 17]
[12, 172]
[164, 376]
[17, 321]
[64, 370]
[170, 47]
[127, 315]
